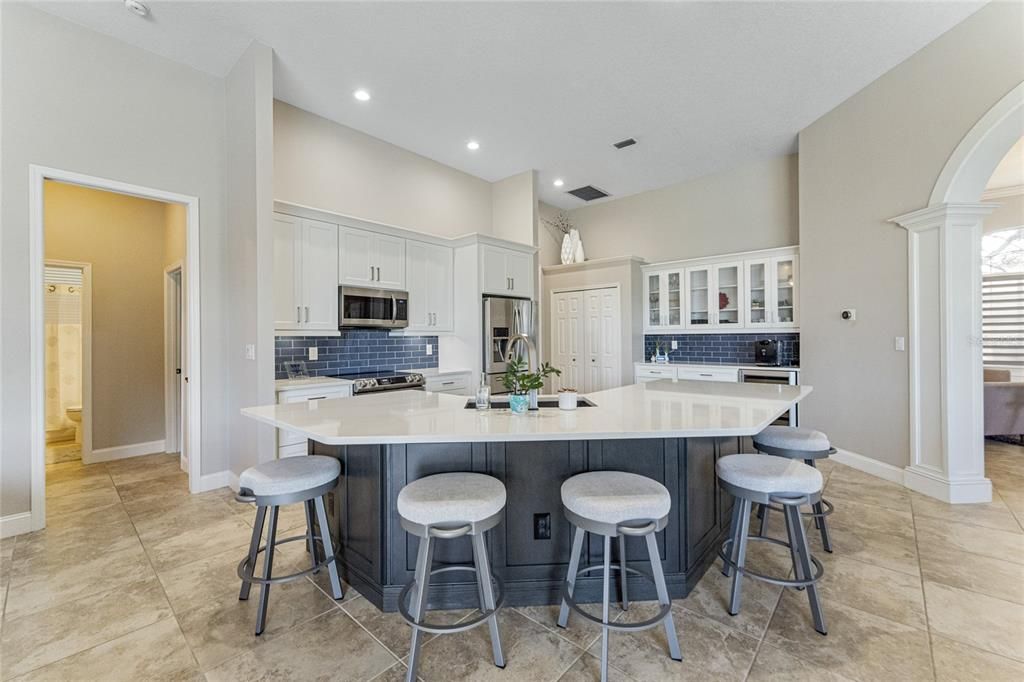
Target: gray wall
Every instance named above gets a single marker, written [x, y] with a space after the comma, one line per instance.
[80, 101]
[874, 157]
[753, 206]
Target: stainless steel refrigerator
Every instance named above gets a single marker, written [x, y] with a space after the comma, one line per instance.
[504, 318]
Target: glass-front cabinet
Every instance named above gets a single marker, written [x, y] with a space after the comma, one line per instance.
[757, 292]
[772, 290]
[652, 286]
[663, 294]
[727, 299]
[698, 297]
[784, 275]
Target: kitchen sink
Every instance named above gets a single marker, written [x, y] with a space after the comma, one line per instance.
[500, 402]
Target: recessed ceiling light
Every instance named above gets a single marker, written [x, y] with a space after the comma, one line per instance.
[472, 145]
[559, 182]
[136, 7]
[361, 95]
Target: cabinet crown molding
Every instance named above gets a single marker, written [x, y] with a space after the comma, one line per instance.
[724, 257]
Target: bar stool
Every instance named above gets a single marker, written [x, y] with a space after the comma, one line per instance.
[444, 507]
[803, 444]
[287, 481]
[788, 484]
[616, 504]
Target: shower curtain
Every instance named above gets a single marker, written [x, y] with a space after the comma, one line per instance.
[63, 333]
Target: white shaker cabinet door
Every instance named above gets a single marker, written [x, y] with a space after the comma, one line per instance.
[417, 279]
[287, 291]
[319, 275]
[494, 271]
[519, 267]
[440, 283]
[390, 261]
[355, 258]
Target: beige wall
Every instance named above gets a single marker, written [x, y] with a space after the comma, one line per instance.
[123, 238]
[876, 156]
[1010, 213]
[65, 93]
[514, 208]
[753, 206]
[625, 273]
[175, 225]
[329, 166]
[549, 240]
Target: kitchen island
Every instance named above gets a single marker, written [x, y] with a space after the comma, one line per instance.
[671, 431]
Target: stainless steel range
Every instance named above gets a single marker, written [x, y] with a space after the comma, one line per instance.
[375, 382]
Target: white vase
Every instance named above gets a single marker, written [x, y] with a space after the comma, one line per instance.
[579, 257]
[568, 251]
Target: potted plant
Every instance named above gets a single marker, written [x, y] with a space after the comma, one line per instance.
[520, 383]
[660, 356]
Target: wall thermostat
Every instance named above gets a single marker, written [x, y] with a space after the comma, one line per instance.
[849, 314]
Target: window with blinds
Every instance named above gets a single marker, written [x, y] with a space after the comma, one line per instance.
[1002, 319]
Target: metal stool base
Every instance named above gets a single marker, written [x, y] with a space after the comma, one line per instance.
[244, 564]
[651, 622]
[438, 629]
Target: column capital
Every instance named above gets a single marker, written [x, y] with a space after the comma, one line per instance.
[938, 215]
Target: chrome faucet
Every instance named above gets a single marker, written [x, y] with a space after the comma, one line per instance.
[531, 351]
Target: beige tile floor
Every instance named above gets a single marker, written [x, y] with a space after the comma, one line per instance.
[134, 579]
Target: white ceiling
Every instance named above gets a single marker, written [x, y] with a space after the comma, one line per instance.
[550, 86]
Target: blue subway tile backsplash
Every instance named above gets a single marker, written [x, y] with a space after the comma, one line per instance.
[721, 349]
[356, 350]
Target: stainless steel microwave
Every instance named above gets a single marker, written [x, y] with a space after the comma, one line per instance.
[379, 308]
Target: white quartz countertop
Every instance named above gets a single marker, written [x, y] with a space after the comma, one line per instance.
[435, 372]
[309, 382]
[658, 409]
[705, 365]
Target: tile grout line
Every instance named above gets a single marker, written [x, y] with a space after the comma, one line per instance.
[924, 596]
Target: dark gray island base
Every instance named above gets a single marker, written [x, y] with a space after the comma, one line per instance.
[530, 549]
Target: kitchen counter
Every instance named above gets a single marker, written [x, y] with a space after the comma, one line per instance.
[309, 382]
[704, 365]
[662, 409]
[435, 372]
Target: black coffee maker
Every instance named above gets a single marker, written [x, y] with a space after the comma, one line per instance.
[766, 352]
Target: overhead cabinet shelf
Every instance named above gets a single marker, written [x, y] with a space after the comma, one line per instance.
[746, 291]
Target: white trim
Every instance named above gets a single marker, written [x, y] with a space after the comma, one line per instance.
[714, 259]
[37, 406]
[172, 343]
[970, 166]
[310, 332]
[221, 479]
[153, 447]
[868, 465]
[585, 287]
[15, 524]
[968, 491]
[595, 263]
[1002, 192]
[86, 352]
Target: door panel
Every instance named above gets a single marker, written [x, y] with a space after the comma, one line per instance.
[389, 257]
[494, 271]
[520, 270]
[417, 269]
[567, 350]
[602, 337]
[356, 258]
[287, 292]
[319, 275]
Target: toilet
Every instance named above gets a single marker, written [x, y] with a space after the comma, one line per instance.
[75, 414]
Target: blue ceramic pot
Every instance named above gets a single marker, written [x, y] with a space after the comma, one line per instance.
[518, 403]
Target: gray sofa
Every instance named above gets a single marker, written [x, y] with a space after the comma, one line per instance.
[1004, 404]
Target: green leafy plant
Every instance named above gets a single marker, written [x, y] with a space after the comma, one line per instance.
[518, 381]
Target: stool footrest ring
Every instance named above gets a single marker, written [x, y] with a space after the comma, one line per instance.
[819, 570]
[828, 509]
[655, 620]
[256, 580]
[461, 626]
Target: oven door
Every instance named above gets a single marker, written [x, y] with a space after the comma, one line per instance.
[773, 376]
[359, 307]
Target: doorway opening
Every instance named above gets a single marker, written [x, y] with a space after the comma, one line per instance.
[132, 253]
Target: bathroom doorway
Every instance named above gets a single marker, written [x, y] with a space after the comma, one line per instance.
[67, 319]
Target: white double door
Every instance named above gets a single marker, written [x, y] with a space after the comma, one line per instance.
[586, 339]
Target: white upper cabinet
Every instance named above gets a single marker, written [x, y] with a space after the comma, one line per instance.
[759, 290]
[370, 259]
[305, 274]
[429, 276]
[506, 272]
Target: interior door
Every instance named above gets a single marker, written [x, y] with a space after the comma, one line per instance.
[319, 275]
[287, 292]
[601, 334]
[390, 261]
[567, 339]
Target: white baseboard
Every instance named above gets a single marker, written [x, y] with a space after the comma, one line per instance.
[15, 524]
[869, 466]
[124, 451]
[955, 492]
[220, 479]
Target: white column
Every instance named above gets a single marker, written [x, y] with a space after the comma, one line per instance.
[947, 452]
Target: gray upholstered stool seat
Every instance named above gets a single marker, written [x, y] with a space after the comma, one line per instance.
[617, 504]
[793, 438]
[769, 475]
[451, 498]
[289, 475]
[280, 482]
[446, 507]
[787, 484]
[615, 497]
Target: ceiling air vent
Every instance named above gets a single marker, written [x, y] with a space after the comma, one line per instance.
[629, 142]
[588, 193]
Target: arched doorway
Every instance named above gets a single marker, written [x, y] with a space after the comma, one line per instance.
[947, 458]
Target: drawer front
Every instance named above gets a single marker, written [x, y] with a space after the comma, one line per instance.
[709, 374]
[289, 438]
[449, 384]
[656, 372]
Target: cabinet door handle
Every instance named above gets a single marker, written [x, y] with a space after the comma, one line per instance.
[319, 397]
[447, 383]
[298, 314]
[307, 314]
[707, 375]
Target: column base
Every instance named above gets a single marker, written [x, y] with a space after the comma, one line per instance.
[960, 491]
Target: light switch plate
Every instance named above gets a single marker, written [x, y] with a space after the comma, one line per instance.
[900, 343]
[250, 351]
[430, 349]
[314, 352]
